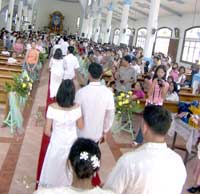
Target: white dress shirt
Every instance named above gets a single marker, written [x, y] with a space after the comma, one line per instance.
[97, 104]
[151, 169]
[70, 64]
[64, 47]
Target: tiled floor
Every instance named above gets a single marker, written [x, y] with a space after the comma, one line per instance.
[19, 155]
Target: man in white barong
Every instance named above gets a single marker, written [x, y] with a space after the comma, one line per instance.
[153, 168]
[70, 64]
[97, 104]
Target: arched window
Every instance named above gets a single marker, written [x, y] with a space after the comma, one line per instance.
[141, 37]
[162, 40]
[191, 45]
[116, 36]
[128, 34]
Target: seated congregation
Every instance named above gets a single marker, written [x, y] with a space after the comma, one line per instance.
[85, 78]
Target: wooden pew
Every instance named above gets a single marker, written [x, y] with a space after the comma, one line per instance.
[171, 106]
[188, 97]
[9, 71]
[17, 66]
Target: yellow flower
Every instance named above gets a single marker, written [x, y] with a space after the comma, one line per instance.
[122, 94]
[24, 85]
[120, 103]
[30, 85]
[127, 96]
[138, 102]
[126, 101]
[119, 98]
[130, 92]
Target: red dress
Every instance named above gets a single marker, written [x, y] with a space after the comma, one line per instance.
[45, 142]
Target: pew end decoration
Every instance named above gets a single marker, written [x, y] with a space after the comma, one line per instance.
[18, 93]
[125, 110]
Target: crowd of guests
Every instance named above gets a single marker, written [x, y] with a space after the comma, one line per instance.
[79, 119]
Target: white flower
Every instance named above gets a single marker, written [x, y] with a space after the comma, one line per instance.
[95, 162]
[84, 155]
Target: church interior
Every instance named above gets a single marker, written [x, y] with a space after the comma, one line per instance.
[131, 41]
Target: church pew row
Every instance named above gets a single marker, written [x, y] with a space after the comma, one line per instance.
[16, 66]
[171, 106]
[9, 71]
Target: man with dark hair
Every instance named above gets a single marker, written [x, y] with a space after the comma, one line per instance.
[97, 104]
[126, 75]
[70, 64]
[152, 168]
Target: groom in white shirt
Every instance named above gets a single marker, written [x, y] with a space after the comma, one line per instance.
[97, 104]
[153, 168]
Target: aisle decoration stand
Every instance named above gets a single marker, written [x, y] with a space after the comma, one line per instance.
[18, 93]
[125, 110]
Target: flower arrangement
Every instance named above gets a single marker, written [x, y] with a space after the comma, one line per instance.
[125, 104]
[22, 85]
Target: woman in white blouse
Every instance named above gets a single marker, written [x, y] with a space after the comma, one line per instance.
[172, 94]
[83, 162]
[57, 72]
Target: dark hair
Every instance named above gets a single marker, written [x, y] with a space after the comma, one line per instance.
[95, 70]
[160, 67]
[58, 54]
[157, 58]
[157, 118]
[66, 93]
[71, 49]
[171, 78]
[175, 87]
[127, 58]
[182, 67]
[84, 168]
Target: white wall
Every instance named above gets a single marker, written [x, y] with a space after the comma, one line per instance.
[70, 11]
[184, 22]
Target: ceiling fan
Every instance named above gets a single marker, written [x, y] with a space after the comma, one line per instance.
[177, 1]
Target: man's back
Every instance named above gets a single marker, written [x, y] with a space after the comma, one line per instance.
[94, 99]
[151, 169]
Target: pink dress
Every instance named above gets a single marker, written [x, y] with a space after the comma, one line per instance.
[174, 74]
[156, 97]
[140, 94]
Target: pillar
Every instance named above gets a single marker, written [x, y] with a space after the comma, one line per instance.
[107, 30]
[151, 28]
[97, 28]
[90, 27]
[0, 4]
[19, 15]
[30, 15]
[25, 16]
[84, 28]
[124, 21]
[10, 14]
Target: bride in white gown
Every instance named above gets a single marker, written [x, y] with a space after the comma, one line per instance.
[63, 117]
[84, 161]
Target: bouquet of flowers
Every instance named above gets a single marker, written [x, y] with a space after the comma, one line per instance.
[22, 85]
[125, 104]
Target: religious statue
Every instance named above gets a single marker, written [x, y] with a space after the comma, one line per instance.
[56, 22]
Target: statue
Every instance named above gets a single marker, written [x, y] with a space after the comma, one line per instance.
[56, 22]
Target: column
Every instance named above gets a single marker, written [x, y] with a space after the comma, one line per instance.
[84, 28]
[0, 4]
[25, 16]
[108, 24]
[124, 21]
[90, 27]
[97, 28]
[30, 14]
[19, 15]
[10, 14]
[151, 28]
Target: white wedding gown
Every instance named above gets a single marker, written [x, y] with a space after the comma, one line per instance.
[64, 133]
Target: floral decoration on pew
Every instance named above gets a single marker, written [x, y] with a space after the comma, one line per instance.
[22, 85]
[125, 105]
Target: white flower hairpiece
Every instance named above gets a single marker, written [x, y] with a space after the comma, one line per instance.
[95, 162]
[84, 156]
